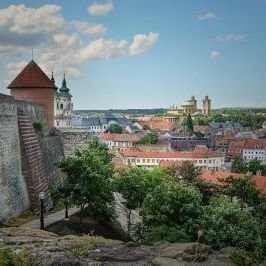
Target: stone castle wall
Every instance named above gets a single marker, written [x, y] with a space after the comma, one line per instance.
[52, 151]
[27, 161]
[74, 139]
[13, 190]
[35, 112]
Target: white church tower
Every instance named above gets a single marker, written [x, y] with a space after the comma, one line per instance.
[63, 106]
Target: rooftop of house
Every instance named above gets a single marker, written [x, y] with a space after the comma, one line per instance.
[158, 124]
[86, 122]
[197, 153]
[124, 137]
[31, 76]
[225, 125]
[214, 176]
[255, 144]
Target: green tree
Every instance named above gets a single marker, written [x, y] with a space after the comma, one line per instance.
[255, 165]
[89, 174]
[244, 189]
[135, 183]
[150, 138]
[225, 224]
[190, 174]
[186, 171]
[115, 128]
[172, 204]
[189, 124]
[239, 165]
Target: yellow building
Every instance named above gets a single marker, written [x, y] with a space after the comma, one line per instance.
[190, 107]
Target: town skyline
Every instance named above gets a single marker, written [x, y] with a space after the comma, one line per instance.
[119, 55]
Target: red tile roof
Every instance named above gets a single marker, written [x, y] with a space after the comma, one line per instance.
[155, 124]
[255, 144]
[120, 137]
[203, 153]
[214, 176]
[31, 77]
[237, 145]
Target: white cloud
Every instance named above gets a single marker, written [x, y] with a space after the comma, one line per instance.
[21, 19]
[56, 45]
[231, 37]
[98, 9]
[103, 49]
[143, 43]
[207, 16]
[215, 54]
[14, 68]
[89, 29]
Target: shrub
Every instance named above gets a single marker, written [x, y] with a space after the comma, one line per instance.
[38, 127]
[225, 224]
[9, 258]
[163, 232]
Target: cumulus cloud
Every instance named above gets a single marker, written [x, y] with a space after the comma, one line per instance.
[231, 37]
[215, 54]
[207, 16]
[58, 44]
[101, 9]
[15, 68]
[23, 20]
[103, 49]
[143, 43]
[89, 29]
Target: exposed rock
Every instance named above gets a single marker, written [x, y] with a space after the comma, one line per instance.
[47, 248]
[161, 261]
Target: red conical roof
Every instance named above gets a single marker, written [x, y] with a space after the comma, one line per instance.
[31, 77]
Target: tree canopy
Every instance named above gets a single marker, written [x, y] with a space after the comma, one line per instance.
[150, 138]
[88, 182]
[115, 128]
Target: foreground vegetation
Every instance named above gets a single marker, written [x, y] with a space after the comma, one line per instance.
[176, 205]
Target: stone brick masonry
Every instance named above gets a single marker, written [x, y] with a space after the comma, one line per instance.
[13, 190]
[26, 160]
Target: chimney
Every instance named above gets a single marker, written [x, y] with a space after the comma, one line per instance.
[258, 173]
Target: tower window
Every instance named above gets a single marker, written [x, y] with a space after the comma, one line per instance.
[57, 105]
[61, 106]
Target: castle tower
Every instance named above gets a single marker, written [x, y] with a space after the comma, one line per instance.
[206, 106]
[63, 106]
[33, 85]
[194, 102]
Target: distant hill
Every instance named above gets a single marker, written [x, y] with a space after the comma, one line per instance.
[155, 111]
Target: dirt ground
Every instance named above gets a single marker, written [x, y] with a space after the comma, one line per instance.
[88, 226]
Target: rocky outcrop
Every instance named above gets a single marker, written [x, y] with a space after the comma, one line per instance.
[49, 249]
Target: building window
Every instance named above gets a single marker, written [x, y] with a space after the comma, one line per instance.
[143, 160]
[61, 106]
[57, 106]
[57, 123]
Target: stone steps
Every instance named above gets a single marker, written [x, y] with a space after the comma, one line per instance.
[34, 171]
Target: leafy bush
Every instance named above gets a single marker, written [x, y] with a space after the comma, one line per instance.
[9, 258]
[163, 232]
[115, 128]
[225, 224]
[38, 127]
[173, 204]
[239, 257]
[150, 138]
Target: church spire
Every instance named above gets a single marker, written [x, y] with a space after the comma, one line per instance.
[64, 90]
[64, 81]
[52, 77]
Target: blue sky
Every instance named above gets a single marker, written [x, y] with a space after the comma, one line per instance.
[141, 53]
